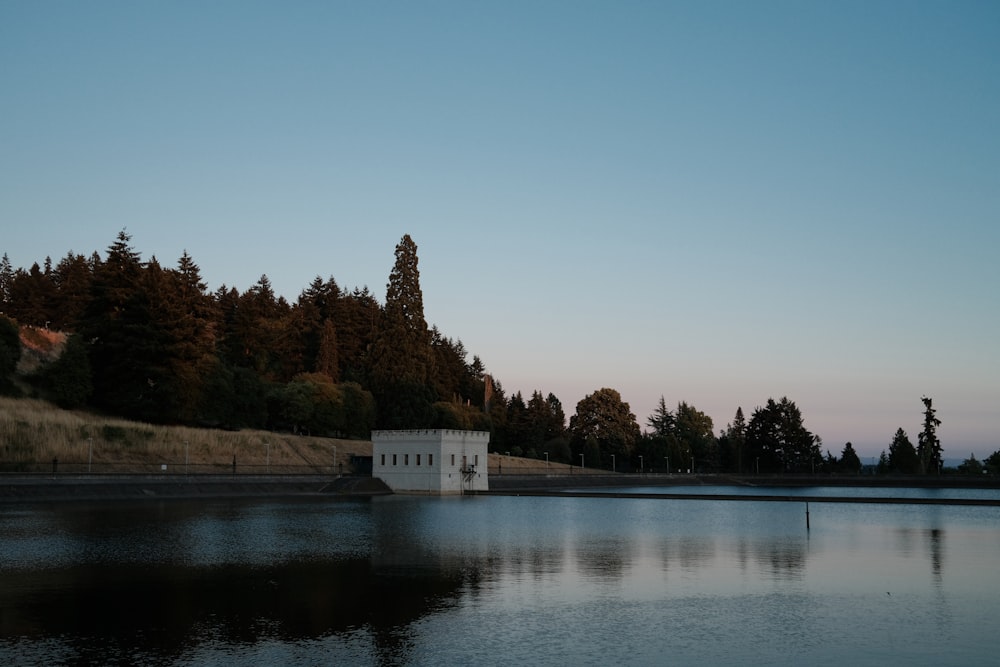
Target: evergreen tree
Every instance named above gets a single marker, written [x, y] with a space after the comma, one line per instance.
[662, 420]
[473, 385]
[116, 327]
[6, 281]
[10, 354]
[970, 466]
[539, 422]
[515, 430]
[31, 296]
[849, 461]
[992, 463]
[316, 312]
[883, 463]
[928, 445]
[449, 368]
[733, 442]
[402, 355]
[777, 440]
[902, 456]
[327, 356]
[189, 323]
[72, 277]
[495, 405]
[356, 315]
[556, 423]
[261, 334]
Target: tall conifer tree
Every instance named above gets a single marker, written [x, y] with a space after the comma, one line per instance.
[116, 327]
[401, 363]
[928, 445]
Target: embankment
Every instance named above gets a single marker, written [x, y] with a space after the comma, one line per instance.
[143, 487]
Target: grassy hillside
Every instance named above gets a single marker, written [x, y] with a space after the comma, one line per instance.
[33, 433]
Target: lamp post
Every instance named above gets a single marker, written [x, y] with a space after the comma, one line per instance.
[668, 464]
[267, 457]
[581, 462]
[90, 455]
[612, 463]
[335, 459]
[546, 459]
[640, 465]
[186, 448]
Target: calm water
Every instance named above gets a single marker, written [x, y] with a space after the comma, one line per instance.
[498, 580]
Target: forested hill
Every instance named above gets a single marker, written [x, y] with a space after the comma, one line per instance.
[149, 342]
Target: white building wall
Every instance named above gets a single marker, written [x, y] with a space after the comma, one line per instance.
[431, 461]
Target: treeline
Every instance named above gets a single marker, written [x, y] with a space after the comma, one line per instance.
[151, 343]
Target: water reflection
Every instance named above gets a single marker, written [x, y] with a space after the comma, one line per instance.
[451, 581]
[161, 612]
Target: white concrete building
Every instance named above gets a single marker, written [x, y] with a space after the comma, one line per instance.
[432, 461]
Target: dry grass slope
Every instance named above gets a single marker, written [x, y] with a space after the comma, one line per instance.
[33, 433]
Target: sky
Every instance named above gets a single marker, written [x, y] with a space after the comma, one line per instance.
[712, 202]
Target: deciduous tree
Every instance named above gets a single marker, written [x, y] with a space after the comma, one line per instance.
[66, 380]
[694, 435]
[608, 420]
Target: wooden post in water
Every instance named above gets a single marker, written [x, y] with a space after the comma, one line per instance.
[807, 516]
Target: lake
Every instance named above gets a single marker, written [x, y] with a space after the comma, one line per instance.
[403, 580]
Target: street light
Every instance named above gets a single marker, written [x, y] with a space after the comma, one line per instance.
[90, 455]
[185, 457]
[581, 461]
[267, 459]
[668, 464]
[612, 463]
[335, 458]
[640, 465]
[546, 458]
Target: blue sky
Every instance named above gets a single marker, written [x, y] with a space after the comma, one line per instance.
[716, 202]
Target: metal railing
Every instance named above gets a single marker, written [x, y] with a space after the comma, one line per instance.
[78, 468]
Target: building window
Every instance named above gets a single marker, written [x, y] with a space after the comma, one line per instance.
[430, 460]
[453, 459]
[406, 459]
[383, 459]
[393, 459]
[418, 459]
[475, 461]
